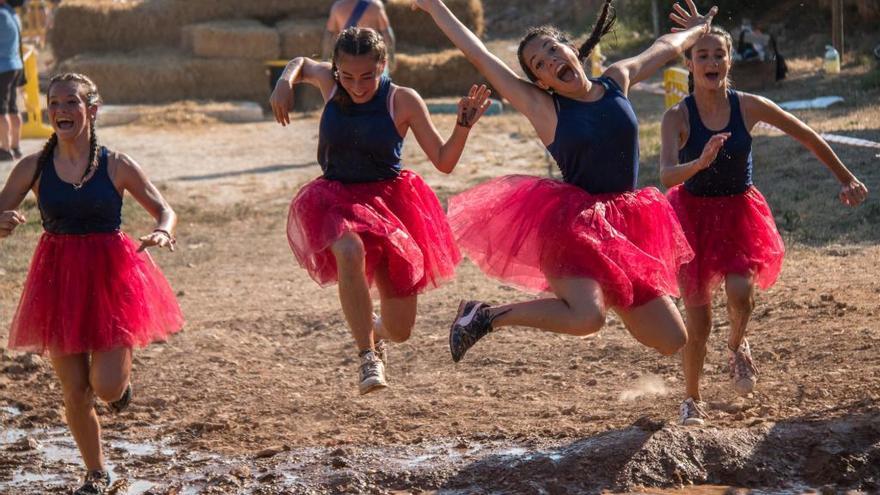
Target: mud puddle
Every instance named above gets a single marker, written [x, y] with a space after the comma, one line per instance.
[648, 457]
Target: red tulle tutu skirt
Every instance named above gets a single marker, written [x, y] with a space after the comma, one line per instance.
[400, 222]
[729, 235]
[93, 292]
[523, 230]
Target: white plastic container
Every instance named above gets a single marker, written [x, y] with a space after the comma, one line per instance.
[832, 60]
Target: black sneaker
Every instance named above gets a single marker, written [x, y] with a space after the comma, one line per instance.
[471, 324]
[16, 153]
[96, 483]
[6, 156]
[123, 402]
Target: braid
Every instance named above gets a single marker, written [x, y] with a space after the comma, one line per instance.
[604, 25]
[93, 152]
[45, 155]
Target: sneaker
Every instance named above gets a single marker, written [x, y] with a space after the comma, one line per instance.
[16, 153]
[123, 402]
[471, 324]
[372, 372]
[96, 483]
[692, 413]
[6, 156]
[743, 371]
[382, 351]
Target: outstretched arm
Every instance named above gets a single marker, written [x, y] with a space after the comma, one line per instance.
[629, 71]
[760, 109]
[527, 98]
[299, 70]
[414, 114]
[14, 191]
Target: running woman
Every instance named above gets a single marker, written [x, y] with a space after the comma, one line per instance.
[593, 239]
[366, 220]
[92, 294]
[706, 160]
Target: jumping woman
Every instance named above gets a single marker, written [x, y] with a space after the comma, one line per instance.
[706, 160]
[92, 294]
[366, 221]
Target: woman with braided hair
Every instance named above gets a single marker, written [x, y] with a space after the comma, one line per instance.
[366, 221]
[92, 294]
[593, 239]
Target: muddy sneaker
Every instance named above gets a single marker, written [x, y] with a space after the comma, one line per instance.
[691, 413]
[471, 324]
[743, 371]
[96, 483]
[123, 402]
[372, 372]
[382, 351]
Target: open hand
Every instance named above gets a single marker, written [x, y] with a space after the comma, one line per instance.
[853, 193]
[690, 18]
[156, 238]
[473, 106]
[282, 101]
[9, 220]
[710, 151]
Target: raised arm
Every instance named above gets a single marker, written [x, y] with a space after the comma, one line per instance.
[14, 191]
[667, 47]
[299, 70]
[413, 114]
[760, 109]
[129, 176]
[673, 133]
[527, 98]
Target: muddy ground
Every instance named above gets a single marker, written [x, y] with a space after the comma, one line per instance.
[258, 393]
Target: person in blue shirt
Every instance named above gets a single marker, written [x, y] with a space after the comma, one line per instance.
[11, 67]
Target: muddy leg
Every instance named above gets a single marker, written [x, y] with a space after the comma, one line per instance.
[79, 402]
[656, 324]
[354, 292]
[699, 326]
[740, 303]
[110, 372]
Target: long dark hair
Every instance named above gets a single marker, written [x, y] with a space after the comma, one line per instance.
[89, 91]
[356, 41]
[604, 25]
[728, 40]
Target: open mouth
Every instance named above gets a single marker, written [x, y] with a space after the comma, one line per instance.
[64, 123]
[565, 73]
[713, 76]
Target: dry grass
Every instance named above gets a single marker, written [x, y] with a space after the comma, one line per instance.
[301, 38]
[416, 28]
[436, 74]
[169, 76]
[232, 39]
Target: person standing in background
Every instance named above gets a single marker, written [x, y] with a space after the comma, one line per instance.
[11, 67]
[358, 13]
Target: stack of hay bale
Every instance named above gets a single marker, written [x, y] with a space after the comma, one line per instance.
[155, 51]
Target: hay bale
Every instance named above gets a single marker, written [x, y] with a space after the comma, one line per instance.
[301, 37]
[446, 73]
[231, 39]
[416, 28]
[161, 77]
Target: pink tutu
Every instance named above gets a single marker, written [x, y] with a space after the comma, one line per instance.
[400, 222]
[730, 235]
[523, 229]
[92, 292]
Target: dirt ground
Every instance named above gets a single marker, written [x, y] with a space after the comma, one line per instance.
[258, 393]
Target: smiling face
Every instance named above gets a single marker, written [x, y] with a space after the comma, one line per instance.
[710, 62]
[69, 112]
[554, 64]
[359, 75]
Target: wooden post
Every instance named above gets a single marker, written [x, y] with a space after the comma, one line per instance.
[837, 26]
[655, 18]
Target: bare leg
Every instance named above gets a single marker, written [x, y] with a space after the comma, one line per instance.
[14, 130]
[699, 326]
[354, 292]
[79, 401]
[740, 303]
[110, 373]
[579, 309]
[5, 128]
[657, 324]
[398, 313]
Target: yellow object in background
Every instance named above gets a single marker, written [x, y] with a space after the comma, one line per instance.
[34, 128]
[596, 61]
[675, 85]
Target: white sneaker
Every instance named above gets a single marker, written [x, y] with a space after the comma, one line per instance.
[743, 371]
[692, 413]
[372, 373]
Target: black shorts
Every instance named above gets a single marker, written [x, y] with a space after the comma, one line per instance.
[9, 91]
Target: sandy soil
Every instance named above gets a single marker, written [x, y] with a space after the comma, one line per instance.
[258, 393]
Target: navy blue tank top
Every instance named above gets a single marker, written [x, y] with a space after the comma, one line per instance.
[597, 143]
[731, 172]
[360, 143]
[94, 208]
